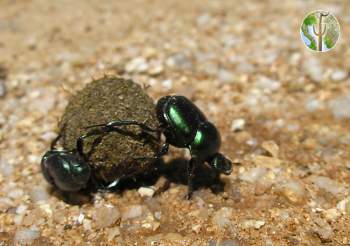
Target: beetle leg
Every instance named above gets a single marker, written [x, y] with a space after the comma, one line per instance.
[55, 141]
[191, 166]
[103, 188]
[80, 140]
[118, 123]
[163, 151]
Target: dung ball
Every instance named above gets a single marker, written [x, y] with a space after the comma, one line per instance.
[112, 155]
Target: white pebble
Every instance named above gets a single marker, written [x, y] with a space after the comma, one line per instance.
[344, 206]
[222, 217]
[105, 216]
[137, 64]
[313, 105]
[146, 191]
[238, 125]
[267, 85]
[328, 185]
[6, 169]
[132, 212]
[331, 214]
[21, 209]
[253, 175]
[112, 233]
[313, 69]
[203, 20]
[87, 225]
[39, 193]
[271, 147]
[340, 107]
[25, 236]
[78, 220]
[15, 193]
[257, 224]
[180, 61]
[293, 190]
[167, 84]
[339, 75]
[226, 76]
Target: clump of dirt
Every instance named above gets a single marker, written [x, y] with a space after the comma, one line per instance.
[110, 99]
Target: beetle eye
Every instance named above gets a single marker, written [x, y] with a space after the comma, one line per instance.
[221, 163]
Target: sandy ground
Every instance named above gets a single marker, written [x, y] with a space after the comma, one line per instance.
[282, 110]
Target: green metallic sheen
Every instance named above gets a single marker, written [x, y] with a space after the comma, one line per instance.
[198, 139]
[177, 119]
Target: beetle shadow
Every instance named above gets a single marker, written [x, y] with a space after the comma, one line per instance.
[174, 171]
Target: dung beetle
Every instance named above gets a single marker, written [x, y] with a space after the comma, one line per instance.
[184, 126]
[66, 170]
[69, 170]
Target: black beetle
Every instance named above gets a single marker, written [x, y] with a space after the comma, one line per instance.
[185, 126]
[69, 170]
[66, 170]
[181, 122]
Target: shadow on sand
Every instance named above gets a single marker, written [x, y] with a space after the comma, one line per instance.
[175, 171]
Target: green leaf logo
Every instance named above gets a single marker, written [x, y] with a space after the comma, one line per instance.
[320, 31]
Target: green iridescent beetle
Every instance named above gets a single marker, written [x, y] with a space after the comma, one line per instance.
[185, 126]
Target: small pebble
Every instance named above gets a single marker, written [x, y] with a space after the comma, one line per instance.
[271, 147]
[313, 105]
[132, 212]
[256, 224]
[203, 20]
[266, 161]
[21, 209]
[339, 75]
[196, 228]
[226, 76]
[328, 184]
[224, 243]
[39, 193]
[16, 193]
[314, 69]
[87, 224]
[323, 229]
[78, 220]
[293, 191]
[267, 85]
[105, 216]
[156, 69]
[344, 206]
[167, 84]
[253, 175]
[25, 236]
[237, 125]
[112, 233]
[222, 217]
[331, 214]
[146, 191]
[340, 107]
[180, 61]
[137, 64]
[60, 216]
